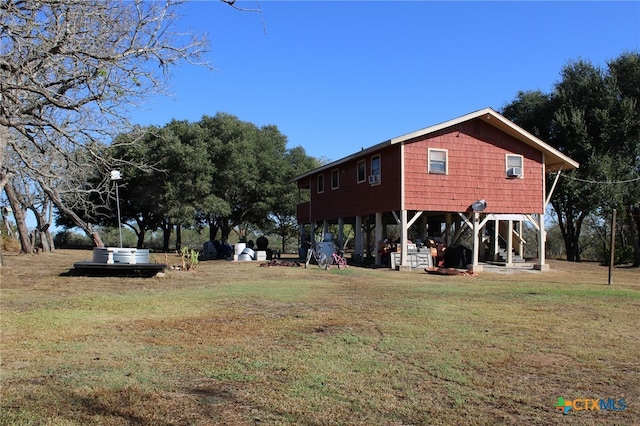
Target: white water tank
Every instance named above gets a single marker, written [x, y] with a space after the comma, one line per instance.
[121, 255]
[250, 252]
[239, 248]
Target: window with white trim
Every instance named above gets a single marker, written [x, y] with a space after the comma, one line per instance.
[362, 171]
[438, 163]
[335, 179]
[514, 169]
[320, 184]
[376, 174]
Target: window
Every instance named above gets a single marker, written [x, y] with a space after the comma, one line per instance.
[375, 170]
[362, 171]
[335, 179]
[438, 161]
[514, 166]
[320, 184]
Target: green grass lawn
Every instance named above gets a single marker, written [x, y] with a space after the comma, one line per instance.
[234, 343]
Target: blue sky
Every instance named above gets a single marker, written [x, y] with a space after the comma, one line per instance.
[336, 76]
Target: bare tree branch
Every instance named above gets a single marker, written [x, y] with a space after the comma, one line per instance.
[232, 3]
[70, 71]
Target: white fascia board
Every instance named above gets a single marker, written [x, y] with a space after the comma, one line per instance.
[564, 161]
[357, 155]
[508, 216]
[440, 126]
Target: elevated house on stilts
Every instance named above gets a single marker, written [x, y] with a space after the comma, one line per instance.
[479, 172]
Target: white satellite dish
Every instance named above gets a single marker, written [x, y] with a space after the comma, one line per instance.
[479, 206]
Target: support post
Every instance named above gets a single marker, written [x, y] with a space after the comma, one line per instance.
[496, 240]
[542, 240]
[509, 243]
[302, 247]
[475, 265]
[521, 239]
[358, 253]
[378, 238]
[404, 246]
[613, 245]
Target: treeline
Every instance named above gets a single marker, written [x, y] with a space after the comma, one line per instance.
[219, 173]
[593, 116]
[227, 175]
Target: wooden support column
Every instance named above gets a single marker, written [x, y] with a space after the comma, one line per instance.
[404, 236]
[521, 240]
[496, 240]
[340, 232]
[367, 237]
[542, 228]
[378, 238]
[302, 247]
[510, 243]
[542, 240]
[482, 251]
[358, 253]
[475, 266]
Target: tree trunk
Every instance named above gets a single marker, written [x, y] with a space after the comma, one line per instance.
[43, 231]
[225, 231]
[213, 230]
[178, 238]
[166, 236]
[19, 214]
[284, 241]
[570, 225]
[4, 178]
[572, 248]
[141, 236]
[140, 231]
[85, 226]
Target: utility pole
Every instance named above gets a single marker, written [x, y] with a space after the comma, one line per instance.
[613, 245]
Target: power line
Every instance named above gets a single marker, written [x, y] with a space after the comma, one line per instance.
[605, 182]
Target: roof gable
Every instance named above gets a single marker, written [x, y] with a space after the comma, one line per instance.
[554, 159]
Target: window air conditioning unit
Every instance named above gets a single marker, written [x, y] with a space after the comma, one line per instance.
[514, 172]
[374, 179]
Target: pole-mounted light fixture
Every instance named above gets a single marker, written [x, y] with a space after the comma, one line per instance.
[115, 176]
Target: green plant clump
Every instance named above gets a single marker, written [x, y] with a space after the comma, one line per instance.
[189, 258]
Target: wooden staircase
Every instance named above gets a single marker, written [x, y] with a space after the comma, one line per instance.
[502, 255]
[516, 238]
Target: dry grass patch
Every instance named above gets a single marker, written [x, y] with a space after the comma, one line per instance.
[232, 343]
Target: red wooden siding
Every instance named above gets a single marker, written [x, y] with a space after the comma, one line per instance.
[476, 170]
[302, 212]
[354, 199]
